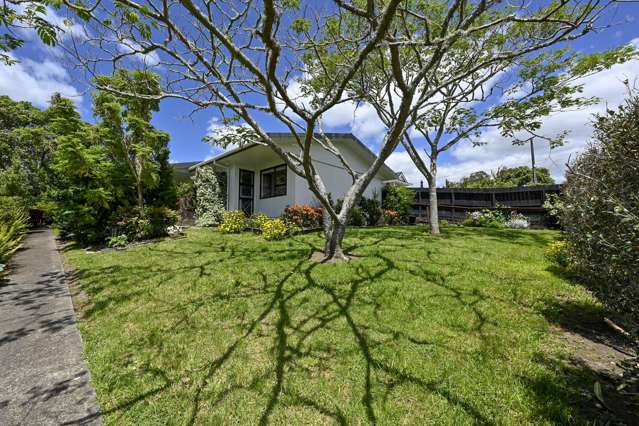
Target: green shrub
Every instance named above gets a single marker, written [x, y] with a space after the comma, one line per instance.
[599, 209]
[443, 223]
[13, 209]
[372, 210]
[234, 222]
[356, 217]
[291, 227]
[152, 224]
[274, 229]
[13, 227]
[398, 198]
[118, 241]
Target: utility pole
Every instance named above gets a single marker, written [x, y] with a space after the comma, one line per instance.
[532, 158]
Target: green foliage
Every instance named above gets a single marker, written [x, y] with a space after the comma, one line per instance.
[27, 142]
[185, 193]
[118, 241]
[274, 229]
[356, 217]
[371, 208]
[153, 222]
[398, 198]
[300, 25]
[11, 235]
[87, 186]
[505, 177]
[234, 222]
[209, 205]
[13, 226]
[13, 209]
[16, 16]
[125, 106]
[165, 193]
[558, 252]
[101, 171]
[599, 209]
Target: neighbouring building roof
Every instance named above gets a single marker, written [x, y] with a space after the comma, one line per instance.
[287, 136]
[181, 171]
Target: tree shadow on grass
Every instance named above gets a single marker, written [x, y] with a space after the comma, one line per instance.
[286, 316]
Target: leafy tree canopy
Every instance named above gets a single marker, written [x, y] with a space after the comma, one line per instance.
[27, 141]
[125, 106]
[504, 178]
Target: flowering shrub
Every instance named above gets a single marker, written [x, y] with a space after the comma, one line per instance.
[209, 203]
[274, 229]
[234, 222]
[303, 215]
[174, 230]
[558, 252]
[485, 218]
[391, 217]
[258, 220]
[517, 221]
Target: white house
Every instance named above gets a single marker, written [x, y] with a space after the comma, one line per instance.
[258, 180]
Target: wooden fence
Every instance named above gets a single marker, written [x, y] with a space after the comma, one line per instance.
[455, 203]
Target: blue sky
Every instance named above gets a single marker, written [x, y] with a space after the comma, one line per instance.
[43, 71]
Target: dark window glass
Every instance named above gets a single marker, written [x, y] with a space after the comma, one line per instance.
[273, 182]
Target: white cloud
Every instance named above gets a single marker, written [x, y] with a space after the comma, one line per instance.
[464, 159]
[35, 82]
[150, 59]
[360, 119]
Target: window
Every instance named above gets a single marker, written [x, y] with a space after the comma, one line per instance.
[273, 182]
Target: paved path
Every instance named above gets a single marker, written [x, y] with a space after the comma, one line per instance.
[43, 377]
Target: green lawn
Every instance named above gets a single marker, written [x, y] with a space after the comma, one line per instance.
[230, 329]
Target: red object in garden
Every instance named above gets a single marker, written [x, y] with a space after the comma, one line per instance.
[36, 216]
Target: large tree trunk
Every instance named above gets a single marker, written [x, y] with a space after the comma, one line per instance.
[433, 216]
[433, 211]
[333, 245]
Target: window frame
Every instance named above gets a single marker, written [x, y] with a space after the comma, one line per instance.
[274, 186]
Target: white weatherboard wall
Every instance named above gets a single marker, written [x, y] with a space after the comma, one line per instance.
[334, 175]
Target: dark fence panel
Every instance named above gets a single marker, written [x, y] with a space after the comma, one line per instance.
[455, 203]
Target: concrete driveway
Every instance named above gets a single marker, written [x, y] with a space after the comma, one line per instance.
[43, 377]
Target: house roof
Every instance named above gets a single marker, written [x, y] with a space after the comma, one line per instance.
[281, 136]
[185, 165]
